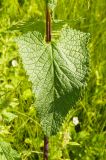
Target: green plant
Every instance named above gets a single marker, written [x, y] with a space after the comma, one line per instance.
[58, 70]
[19, 125]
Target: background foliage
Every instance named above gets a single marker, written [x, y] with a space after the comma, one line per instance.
[19, 125]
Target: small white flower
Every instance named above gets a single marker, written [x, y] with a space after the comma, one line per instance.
[14, 63]
[75, 120]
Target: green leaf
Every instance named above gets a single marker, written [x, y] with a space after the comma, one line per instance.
[30, 25]
[74, 144]
[6, 152]
[58, 72]
[8, 116]
[52, 4]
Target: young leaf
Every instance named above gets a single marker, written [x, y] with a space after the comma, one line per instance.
[7, 153]
[30, 25]
[57, 71]
[52, 4]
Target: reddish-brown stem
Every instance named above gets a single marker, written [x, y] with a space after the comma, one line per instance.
[48, 25]
[46, 147]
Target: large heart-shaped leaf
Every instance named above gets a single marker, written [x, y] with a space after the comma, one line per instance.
[57, 70]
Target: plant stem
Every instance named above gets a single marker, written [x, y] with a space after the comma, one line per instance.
[46, 147]
[48, 24]
[48, 39]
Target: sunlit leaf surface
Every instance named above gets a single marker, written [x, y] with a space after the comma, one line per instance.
[57, 70]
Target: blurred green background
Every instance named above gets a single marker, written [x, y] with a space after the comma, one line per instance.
[19, 125]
